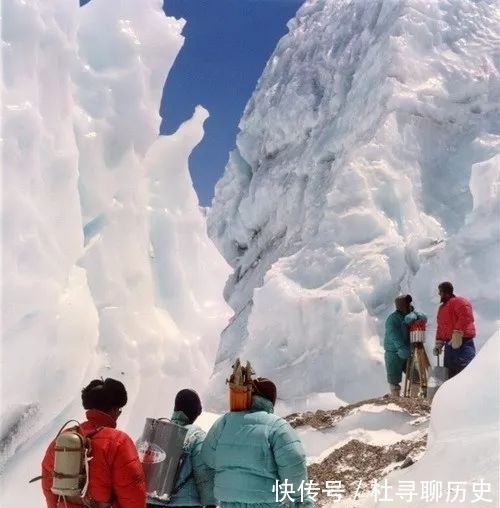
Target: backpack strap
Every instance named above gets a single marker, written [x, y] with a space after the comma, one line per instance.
[63, 427]
[37, 478]
[196, 432]
[87, 458]
[94, 432]
[88, 436]
[181, 485]
[192, 437]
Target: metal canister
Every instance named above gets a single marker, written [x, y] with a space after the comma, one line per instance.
[160, 450]
[69, 449]
[437, 376]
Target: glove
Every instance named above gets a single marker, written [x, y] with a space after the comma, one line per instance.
[404, 353]
[438, 347]
[457, 338]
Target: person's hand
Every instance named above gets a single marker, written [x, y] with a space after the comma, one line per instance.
[438, 347]
[457, 338]
[404, 353]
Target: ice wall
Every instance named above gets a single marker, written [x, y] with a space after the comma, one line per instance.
[366, 166]
[107, 267]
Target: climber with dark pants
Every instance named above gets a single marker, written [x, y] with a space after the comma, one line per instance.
[455, 330]
[397, 341]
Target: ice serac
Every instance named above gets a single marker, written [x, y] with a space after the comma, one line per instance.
[107, 267]
[360, 173]
[49, 321]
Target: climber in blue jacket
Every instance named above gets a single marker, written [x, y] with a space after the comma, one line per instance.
[253, 453]
[397, 341]
[194, 485]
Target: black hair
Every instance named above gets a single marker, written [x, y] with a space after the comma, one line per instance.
[188, 401]
[104, 394]
[446, 287]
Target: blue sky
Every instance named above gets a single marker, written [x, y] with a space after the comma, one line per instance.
[228, 43]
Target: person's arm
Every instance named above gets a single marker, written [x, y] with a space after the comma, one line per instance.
[463, 315]
[414, 316]
[210, 443]
[439, 330]
[398, 333]
[438, 341]
[47, 469]
[127, 476]
[203, 475]
[290, 458]
[422, 316]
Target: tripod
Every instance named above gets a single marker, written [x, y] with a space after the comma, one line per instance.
[418, 363]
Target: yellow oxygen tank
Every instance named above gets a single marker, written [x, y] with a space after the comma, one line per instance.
[240, 386]
[68, 464]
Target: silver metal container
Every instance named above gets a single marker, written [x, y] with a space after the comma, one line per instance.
[436, 377]
[160, 450]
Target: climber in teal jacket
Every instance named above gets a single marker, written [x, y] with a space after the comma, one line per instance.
[397, 341]
[194, 484]
[253, 453]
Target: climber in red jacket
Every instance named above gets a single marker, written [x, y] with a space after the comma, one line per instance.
[455, 330]
[116, 477]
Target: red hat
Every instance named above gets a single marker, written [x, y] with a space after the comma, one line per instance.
[265, 388]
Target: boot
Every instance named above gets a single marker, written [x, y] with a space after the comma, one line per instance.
[395, 390]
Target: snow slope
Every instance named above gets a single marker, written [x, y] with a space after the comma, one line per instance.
[449, 457]
[358, 443]
[107, 267]
[380, 425]
[367, 165]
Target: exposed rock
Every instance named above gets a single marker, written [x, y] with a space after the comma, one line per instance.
[322, 419]
[356, 464]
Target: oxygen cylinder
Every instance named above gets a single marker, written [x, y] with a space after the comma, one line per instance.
[240, 397]
[160, 450]
[240, 386]
[68, 464]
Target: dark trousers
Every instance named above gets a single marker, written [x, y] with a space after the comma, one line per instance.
[457, 359]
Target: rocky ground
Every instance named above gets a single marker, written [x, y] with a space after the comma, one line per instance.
[357, 463]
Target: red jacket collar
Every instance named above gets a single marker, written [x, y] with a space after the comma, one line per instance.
[449, 299]
[100, 419]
